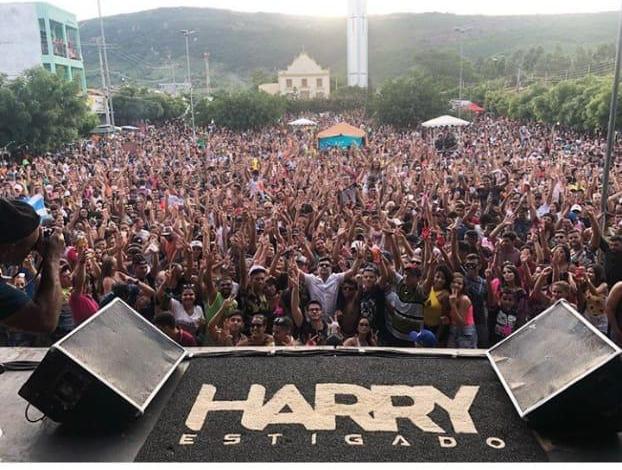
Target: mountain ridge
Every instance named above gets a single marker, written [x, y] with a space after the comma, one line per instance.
[241, 43]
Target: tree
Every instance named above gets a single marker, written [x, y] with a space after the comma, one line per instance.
[405, 102]
[242, 110]
[41, 110]
[260, 76]
[444, 67]
[133, 105]
[343, 99]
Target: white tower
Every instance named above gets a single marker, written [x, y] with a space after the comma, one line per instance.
[357, 43]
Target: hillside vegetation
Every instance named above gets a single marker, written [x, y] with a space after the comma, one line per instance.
[241, 44]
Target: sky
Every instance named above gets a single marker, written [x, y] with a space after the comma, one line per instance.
[85, 9]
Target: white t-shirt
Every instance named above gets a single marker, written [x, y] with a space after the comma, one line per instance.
[190, 323]
[325, 292]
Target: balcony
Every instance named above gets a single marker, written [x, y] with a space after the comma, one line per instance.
[73, 51]
[59, 47]
[73, 48]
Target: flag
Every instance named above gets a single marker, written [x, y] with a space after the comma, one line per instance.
[38, 204]
[175, 201]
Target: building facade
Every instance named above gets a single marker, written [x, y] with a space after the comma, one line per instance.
[303, 79]
[40, 34]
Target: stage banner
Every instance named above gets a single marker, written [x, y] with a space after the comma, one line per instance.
[340, 408]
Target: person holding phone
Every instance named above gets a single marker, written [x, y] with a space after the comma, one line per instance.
[20, 236]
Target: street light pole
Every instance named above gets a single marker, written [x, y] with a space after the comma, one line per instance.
[103, 78]
[207, 77]
[461, 30]
[461, 67]
[187, 34]
[108, 84]
[611, 128]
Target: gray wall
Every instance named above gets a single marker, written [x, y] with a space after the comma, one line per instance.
[20, 45]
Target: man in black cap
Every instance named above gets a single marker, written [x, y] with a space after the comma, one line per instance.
[19, 235]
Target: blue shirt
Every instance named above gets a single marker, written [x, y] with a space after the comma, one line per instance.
[11, 300]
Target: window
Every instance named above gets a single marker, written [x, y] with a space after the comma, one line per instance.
[73, 50]
[319, 83]
[288, 83]
[62, 71]
[44, 37]
[58, 41]
[304, 83]
[76, 75]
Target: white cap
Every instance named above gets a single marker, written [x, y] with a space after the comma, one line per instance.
[255, 268]
[576, 207]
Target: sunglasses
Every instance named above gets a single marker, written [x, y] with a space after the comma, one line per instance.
[471, 266]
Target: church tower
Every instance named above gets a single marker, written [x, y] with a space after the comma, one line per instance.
[357, 43]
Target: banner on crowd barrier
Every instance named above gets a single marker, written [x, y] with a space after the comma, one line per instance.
[340, 409]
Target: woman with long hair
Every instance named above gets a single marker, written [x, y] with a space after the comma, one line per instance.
[437, 304]
[510, 280]
[462, 332]
[592, 294]
[364, 336]
[109, 275]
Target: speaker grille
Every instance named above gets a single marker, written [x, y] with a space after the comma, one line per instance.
[548, 354]
[123, 350]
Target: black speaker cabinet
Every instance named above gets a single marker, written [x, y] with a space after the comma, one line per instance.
[106, 371]
[561, 373]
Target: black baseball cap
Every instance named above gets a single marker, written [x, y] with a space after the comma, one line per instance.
[18, 220]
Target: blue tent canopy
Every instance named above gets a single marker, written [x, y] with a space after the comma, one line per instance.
[341, 135]
[342, 141]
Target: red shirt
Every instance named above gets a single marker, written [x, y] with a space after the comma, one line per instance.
[82, 307]
[185, 339]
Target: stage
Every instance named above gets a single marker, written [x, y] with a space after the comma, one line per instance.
[302, 404]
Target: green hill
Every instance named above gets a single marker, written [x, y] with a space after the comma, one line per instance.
[241, 43]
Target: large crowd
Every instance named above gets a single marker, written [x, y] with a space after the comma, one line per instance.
[258, 238]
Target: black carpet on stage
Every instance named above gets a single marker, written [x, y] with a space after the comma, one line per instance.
[501, 436]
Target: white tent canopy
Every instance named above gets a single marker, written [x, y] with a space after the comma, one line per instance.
[443, 121]
[303, 122]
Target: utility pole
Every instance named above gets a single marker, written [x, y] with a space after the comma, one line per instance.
[611, 128]
[461, 68]
[109, 83]
[103, 78]
[207, 80]
[172, 65]
[187, 34]
[461, 30]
